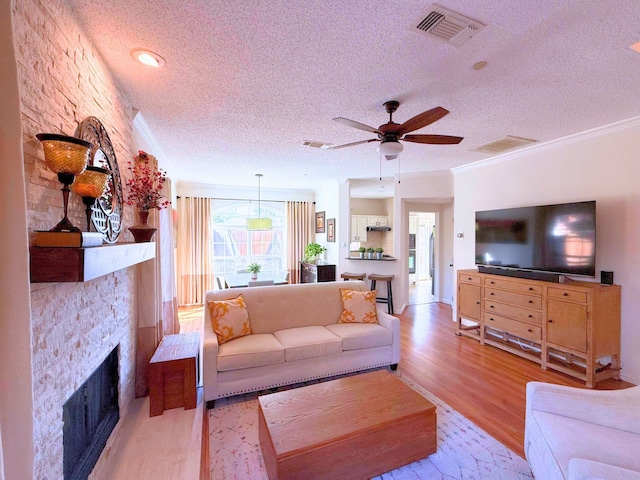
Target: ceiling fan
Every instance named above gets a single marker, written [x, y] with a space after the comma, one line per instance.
[390, 133]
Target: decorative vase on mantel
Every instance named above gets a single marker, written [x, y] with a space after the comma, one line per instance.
[142, 232]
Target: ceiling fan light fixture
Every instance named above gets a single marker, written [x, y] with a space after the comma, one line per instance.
[390, 148]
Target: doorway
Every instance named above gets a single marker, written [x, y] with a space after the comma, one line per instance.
[422, 232]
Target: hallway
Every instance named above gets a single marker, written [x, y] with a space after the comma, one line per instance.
[420, 293]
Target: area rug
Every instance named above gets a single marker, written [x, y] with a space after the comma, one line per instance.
[464, 450]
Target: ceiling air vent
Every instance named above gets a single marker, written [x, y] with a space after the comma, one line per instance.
[446, 25]
[503, 144]
[312, 144]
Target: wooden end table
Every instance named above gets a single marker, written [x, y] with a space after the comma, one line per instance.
[350, 428]
[173, 373]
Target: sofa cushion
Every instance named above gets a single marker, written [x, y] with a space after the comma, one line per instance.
[308, 342]
[569, 438]
[229, 318]
[287, 306]
[581, 469]
[358, 307]
[250, 351]
[361, 335]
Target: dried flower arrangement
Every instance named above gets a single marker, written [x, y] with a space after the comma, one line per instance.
[145, 184]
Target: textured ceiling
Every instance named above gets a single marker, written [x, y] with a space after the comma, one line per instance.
[246, 81]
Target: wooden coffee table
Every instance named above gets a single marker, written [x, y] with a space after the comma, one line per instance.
[350, 428]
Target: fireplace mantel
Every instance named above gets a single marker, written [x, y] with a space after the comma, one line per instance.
[69, 264]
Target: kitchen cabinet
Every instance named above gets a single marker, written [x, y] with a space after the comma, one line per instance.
[359, 228]
[377, 221]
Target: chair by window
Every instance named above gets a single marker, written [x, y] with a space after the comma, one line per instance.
[222, 283]
[260, 283]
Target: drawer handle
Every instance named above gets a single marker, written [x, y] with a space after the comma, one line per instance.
[530, 301]
[529, 330]
[565, 294]
[491, 318]
[492, 282]
[550, 321]
[477, 303]
[530, 316]
[491, 306]
[491, 293]
[468, 278]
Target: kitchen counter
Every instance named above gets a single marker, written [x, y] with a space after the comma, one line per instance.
[383, 259]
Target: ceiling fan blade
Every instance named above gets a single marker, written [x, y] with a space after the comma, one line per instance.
[433, 139]
[423, 119]
[358, 125]
[352, 144]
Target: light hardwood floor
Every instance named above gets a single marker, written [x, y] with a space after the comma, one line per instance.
[485, 384]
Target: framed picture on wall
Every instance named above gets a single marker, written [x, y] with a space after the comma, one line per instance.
[319, 222]
[331, 230]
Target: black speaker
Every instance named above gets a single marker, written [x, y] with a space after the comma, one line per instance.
[606, 278]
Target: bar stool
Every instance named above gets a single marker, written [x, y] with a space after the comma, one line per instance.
[389, 298]
[352, 276]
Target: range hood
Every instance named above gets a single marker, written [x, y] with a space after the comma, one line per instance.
[378, 229]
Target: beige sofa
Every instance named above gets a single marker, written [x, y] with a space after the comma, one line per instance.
[579, 434]
[296, 337]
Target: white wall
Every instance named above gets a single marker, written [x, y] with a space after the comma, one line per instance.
[601, 165]
[328, 201]
[16, 401]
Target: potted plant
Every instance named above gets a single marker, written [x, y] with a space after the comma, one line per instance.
[361, 250]
[254, 268]
[379, 251]
[312, 251]
[370, 251]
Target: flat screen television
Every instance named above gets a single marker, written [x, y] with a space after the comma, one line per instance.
[557, 239]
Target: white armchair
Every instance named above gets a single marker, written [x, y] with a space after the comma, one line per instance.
[579, 434]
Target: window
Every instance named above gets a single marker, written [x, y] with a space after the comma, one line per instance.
[234, 247]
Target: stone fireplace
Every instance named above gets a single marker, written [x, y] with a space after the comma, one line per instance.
[89, 417]
[75, 327]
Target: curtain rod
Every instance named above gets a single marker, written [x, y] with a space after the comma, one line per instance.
[238, 199]
[246, 200]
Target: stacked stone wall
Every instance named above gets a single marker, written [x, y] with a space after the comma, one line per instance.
[63, 80]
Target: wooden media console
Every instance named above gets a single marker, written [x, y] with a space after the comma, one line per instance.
[572, 327]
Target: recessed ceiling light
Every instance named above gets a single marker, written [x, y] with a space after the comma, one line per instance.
[635, 47]
[147, 57]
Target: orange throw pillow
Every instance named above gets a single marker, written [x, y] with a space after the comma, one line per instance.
[359, 307]
[229, 319]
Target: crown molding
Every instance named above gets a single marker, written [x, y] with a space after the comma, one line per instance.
[633, 122]
[141, 125]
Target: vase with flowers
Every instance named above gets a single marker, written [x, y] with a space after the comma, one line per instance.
[144, 192]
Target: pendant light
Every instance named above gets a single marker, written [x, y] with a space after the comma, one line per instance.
[259, 223]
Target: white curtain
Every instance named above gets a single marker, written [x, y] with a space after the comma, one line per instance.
[300, 232]
[195, 250]
[156, 287]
